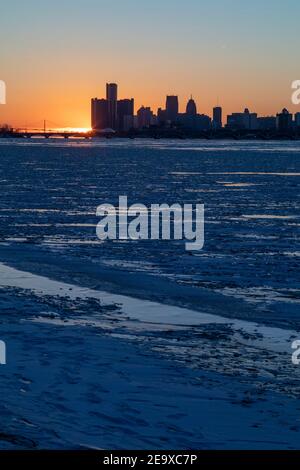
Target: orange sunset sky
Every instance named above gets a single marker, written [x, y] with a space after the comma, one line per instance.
[55, 56]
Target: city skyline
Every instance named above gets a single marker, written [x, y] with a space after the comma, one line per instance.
[181, 109]
[120, 115]
[153, 51]
[111, 114]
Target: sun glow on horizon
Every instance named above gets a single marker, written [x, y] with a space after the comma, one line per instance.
[73, 129]
[55, 130]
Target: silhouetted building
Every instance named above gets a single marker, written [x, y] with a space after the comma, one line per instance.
[128, 123]
[235, 121]
[172, 108]
[135, 122]
[267, 123]
[284, 121]
[125, 112]
[111, 91]
[161, 116]
[112, 98]
[245, 120]
[145, 116]
[111, 113]
[203, 122]
[217, 118]
[191, 108]
[99, 110]
[198, 122]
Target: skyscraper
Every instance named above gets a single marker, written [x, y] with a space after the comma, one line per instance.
[99, 110]
[217, 117]
[112, 98]
[111, 113]
[125, 111]
[161, 116]
[111, 92]
[284, 120]
[191, 108]
[172, 108]
[145, 116]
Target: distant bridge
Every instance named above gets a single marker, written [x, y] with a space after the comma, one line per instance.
[48, 135]
[42, 129]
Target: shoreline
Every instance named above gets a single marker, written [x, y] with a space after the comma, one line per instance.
[230, 138]
[117, 351]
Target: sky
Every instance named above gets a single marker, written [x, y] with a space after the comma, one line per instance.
[56, 55]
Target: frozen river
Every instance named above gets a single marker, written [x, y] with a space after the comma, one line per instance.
[100, 334]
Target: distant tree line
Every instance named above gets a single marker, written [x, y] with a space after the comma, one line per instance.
[5, 129]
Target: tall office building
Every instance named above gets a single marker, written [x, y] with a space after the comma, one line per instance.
[172, 108]
[99, 110]
[191, 108]
[284, 120]
[110, 113]
[125, 111]
[112, 98]
[93, 113]
[145, 116]
[111, 91]
[217, 117]
[161, 116]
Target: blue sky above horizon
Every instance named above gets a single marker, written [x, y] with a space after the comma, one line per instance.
[56, 55]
